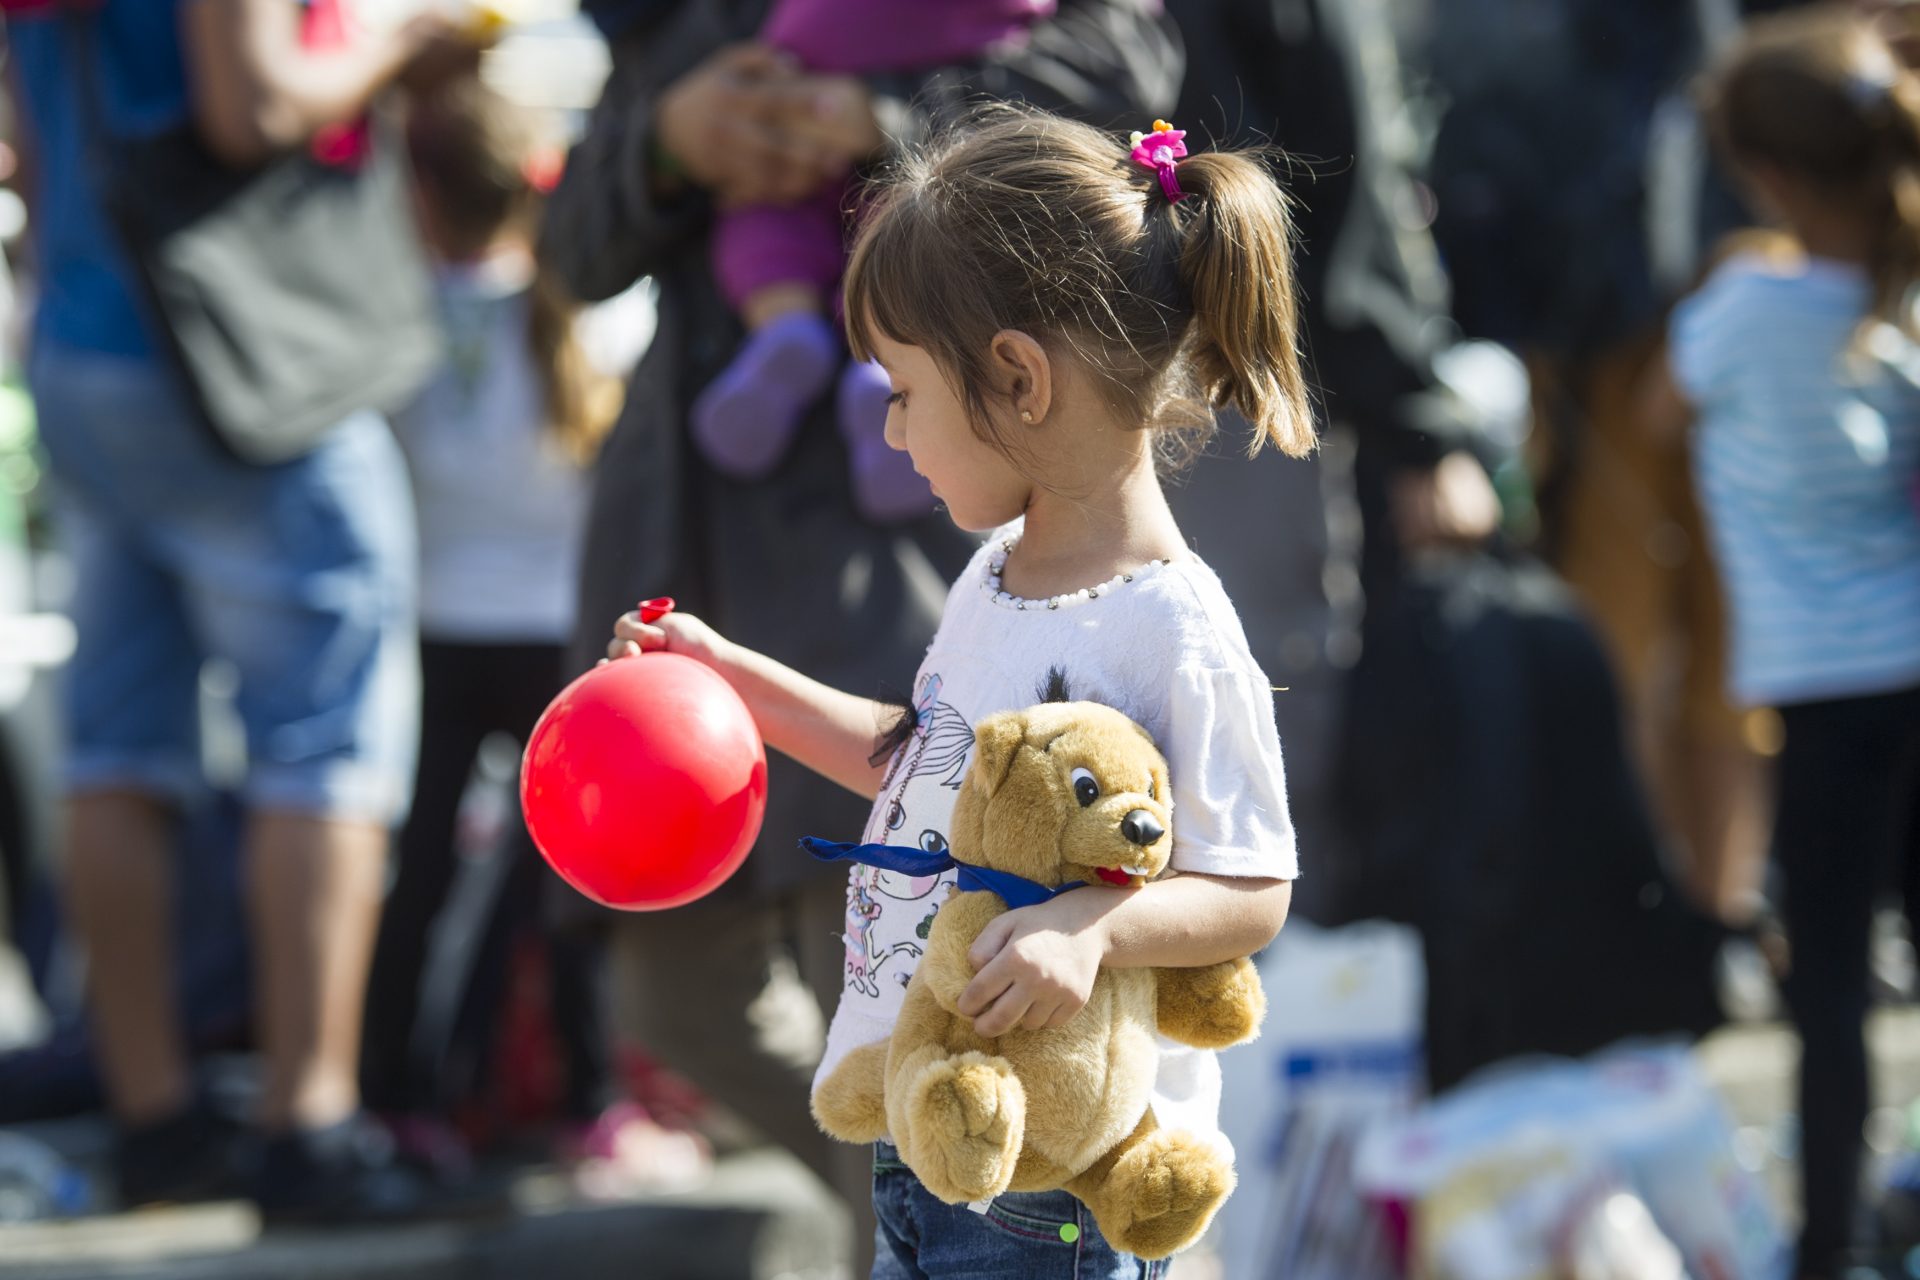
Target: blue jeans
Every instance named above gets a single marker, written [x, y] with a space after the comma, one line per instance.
[301, 576]
[1023, 1235]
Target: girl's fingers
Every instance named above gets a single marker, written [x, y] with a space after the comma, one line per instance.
[629, 628]
[1004, 1016]
[991, 940]
[622, 649]
[987, 986]
[1040, 1016]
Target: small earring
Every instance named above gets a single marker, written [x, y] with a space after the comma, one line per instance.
[1026, 415]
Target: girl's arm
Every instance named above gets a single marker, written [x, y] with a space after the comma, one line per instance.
[256, 90]
[1663, 406]
[830, 732]
[1035, 967]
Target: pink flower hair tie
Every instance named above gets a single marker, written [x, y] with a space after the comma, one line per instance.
[1158, 151]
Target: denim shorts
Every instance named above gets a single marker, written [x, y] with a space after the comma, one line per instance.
[1023, 1235]
[300, 575]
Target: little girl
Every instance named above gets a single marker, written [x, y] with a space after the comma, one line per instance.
[497, 445]
[1050, 309]
[1801, 372]
[778, 265]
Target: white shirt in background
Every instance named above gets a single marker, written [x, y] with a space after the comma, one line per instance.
[502, 508]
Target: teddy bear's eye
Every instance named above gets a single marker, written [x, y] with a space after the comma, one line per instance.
[1085, 789]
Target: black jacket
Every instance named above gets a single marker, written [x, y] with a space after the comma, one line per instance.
[786, 565]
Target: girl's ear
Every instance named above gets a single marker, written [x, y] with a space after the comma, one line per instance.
[1025, 372]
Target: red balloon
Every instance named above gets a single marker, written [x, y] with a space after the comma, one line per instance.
[645, 781]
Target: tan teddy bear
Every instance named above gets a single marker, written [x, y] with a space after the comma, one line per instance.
[1061, 792]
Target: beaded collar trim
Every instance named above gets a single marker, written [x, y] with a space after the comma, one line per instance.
[997, 565]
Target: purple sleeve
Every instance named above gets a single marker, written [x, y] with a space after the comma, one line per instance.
[762, 245]
[856, 36]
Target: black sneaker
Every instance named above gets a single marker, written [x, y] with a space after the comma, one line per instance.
[349, 1172]
[188, 1156]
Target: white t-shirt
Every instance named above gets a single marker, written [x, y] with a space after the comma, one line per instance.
[1163, 645]
[502, 510]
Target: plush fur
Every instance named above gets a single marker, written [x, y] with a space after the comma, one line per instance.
[1065, 1107]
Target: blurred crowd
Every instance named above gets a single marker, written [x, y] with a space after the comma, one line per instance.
[1596, 620]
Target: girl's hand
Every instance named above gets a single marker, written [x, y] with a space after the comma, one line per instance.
[1034, 967]
[675, 633]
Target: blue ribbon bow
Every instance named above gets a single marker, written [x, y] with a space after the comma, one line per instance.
[1016, 891]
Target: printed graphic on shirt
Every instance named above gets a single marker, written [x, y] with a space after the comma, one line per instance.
[916, 801]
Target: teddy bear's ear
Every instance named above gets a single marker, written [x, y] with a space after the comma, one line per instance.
[995, 743]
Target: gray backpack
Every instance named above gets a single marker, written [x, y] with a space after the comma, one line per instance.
[290, 295]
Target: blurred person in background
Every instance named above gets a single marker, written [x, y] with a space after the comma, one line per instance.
[732, 991]
[1798, 365]
[1432, 674]
[1399, 471]
[299, 574]
[779, 265]
[1558, 223]
[498, 446]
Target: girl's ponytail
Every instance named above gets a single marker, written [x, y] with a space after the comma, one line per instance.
[1166, 276]
[581, 402]
[1237, 262]
[1895, 262]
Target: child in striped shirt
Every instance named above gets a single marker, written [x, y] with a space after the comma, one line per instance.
[1801, 373]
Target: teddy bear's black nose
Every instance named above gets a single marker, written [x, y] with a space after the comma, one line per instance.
[1141, 828]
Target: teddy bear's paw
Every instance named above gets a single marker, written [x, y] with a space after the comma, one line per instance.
[850, 1104]
[969, 1118]
[1212, 1007]
[1161, 1195]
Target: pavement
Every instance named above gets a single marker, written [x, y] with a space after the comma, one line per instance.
[1754, 1067]
[761, 1216]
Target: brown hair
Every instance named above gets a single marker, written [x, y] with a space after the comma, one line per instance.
[1820, 96]
[474, 159]
[1024, 220]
